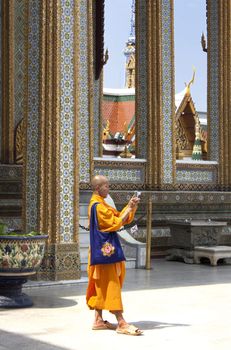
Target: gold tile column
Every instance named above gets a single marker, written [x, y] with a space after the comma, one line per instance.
[62, 257]
[224, 13]
[7, 137]
[55, 164]
[154, 108]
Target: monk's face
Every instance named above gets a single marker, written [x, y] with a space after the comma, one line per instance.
[103, 188]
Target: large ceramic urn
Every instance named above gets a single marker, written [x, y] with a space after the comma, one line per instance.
[20, 257]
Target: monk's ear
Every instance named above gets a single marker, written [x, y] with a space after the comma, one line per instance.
[97, 187]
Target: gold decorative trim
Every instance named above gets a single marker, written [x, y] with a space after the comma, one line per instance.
[116, 164]
[154, 83]
[208, 18]
[49, 127]
[20, 141]
[7, 156]
[100, 115]
[150, 88]
[164, 187]
[42, 120]
[90, 86]
[196, 166]
[224, 13]
[57, 112]
[26, 94]
[137, 77]
[173, 94]
[76, 122]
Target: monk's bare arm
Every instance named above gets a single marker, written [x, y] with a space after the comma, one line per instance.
[125, 214]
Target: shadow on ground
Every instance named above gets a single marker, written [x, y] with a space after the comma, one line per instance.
[17, 341]
[147, 325]
[52, 302]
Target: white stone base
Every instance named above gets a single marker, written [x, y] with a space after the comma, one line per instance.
[212, 253]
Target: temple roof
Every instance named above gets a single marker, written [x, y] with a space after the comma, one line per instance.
[179, 97]
[119, 92]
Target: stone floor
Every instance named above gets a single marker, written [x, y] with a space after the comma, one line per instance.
[178, 306]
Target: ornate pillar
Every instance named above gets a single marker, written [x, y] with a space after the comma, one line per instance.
[224, 95]
[0, 78]
[98, 62]
[7, 135]
[85, 90]
[51, 170]
[213, 81]
[159, 75]
[141, 78]
[154, 84]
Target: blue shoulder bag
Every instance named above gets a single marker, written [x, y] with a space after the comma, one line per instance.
[105, 246]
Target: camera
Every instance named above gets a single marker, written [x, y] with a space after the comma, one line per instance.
[137, 194]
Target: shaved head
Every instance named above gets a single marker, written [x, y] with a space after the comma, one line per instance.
[97, 181]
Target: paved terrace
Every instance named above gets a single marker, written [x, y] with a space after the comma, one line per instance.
[178, 306]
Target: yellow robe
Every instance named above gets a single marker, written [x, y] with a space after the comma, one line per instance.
[105, 281]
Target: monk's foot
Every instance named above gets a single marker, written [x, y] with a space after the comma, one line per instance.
[128, 329]
[101, 325]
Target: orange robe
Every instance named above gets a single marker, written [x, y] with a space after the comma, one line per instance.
[105, 281]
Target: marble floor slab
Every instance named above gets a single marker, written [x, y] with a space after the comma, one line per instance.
[178, 306]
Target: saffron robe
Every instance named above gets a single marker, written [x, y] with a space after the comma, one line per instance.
[105, 281]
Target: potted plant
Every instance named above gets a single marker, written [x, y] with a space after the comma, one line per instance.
[20, 256]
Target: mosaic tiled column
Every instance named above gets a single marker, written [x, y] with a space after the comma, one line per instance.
[141, 79]
[0, 78]
[12, 72]
[224, 12]
[7, 135]
[19, 60]
[160, 91]
[168, 93]
[52, 164]
[213, 79]
[98, 61]
[85, 90]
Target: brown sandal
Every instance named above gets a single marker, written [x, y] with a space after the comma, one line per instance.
[129, 330]
[104, 325]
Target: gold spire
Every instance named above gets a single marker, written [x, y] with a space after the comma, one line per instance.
[190, 83]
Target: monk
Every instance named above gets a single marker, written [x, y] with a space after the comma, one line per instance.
[106, 280]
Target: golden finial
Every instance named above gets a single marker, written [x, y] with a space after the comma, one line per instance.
[191, 82]
[125, 130]
[203, 43]
[105, 57]
[106, 131]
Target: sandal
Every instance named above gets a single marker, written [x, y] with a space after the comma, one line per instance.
[129, 330]
[103, 325]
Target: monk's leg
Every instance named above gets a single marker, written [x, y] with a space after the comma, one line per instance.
[98, 318]
[120, 319]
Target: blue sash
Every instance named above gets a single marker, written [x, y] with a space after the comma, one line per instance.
[105, 246]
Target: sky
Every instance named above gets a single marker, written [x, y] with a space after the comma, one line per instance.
[189, 23]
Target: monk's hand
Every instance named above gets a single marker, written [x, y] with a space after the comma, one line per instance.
[134, 201]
